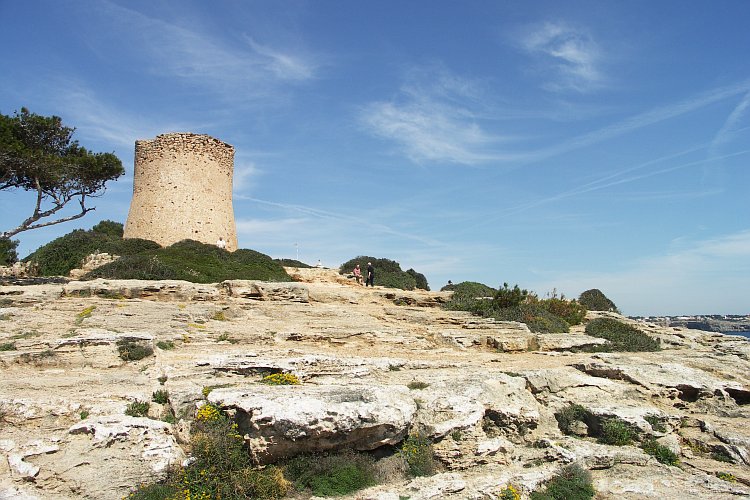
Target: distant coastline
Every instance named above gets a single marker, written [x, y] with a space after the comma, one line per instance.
[729, 324]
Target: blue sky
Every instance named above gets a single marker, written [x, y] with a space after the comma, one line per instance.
[558, 145]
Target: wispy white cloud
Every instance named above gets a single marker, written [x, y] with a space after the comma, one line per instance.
[730, 125]
[435, 118]
[243, 70]
[573, 55]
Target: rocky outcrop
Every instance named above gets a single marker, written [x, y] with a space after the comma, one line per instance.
[375, 365]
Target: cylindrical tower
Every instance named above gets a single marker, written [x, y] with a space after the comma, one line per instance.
[182, 189]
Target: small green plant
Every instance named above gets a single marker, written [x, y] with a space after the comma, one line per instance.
[209, 412]
[663, 454]
[457, 435]
[655, 422]
[165, 345]
[568, 416]
[130, 350]
[721, 455]
[137, 408]
[161, 396]
[572, 483]
[8, 346]
[169, 418]
[84, 414]
[281, 379]
[616, 432]
[162, 379]
[726, 476]
[333, 474]
[416, 450]
[416, 384]
[509, 493]
[224, 337]
[5, 317]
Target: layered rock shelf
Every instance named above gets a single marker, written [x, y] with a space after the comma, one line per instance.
[375, 364]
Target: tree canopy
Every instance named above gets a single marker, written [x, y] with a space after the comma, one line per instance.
[38, 154]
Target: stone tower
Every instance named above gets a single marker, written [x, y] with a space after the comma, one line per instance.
[182, 189]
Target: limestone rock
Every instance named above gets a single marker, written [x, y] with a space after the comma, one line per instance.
[288, 420]
[261, 290]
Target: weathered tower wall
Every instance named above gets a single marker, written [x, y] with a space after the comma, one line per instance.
[182, 189]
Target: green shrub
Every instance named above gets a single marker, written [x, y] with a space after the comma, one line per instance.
[137, 408]
[8, 346]
[568, 416]
[419, 279]
[537, 318]
[506, 297]
[416, 450]
[109, 228]
[569, 310]
[622, 337]
[468, 295]
[334, 474]
[661, 453]
[161, 396]
[8, 254]
[572, 483]
[616, 432]
[130, 350]
[196, 262]
[165, 345]
[388, 273]
[416, 384]
[595, 300]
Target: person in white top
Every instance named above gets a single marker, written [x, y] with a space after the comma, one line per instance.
[221, 243]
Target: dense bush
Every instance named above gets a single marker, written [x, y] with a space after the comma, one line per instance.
[388, 273]
[419, 278]
[417, 452]
[333, 474]
[595, 300]
[568, 416]
[58, 257]
[196, 262]
[615, 432]
[570, 310]
[572, 483]
[515, 304]
[466, 293]
[8, 253]
[622, 337]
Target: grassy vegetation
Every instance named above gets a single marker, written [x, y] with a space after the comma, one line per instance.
[293, 263]
[622, 337]
[333, 474]
[196, 262]
[58, 257]
[388, 273]
[8, 346]
[161, 396]
[165, 345]
[661, 453]
[572, 483]
[417, 385]
[142, 259]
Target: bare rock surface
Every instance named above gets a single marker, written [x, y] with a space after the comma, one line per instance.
[375, 364]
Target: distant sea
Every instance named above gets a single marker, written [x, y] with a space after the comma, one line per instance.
[743, 334]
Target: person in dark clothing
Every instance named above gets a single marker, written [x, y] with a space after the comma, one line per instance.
[370, 275]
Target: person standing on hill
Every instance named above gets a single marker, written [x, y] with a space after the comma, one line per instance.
[370, 275]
